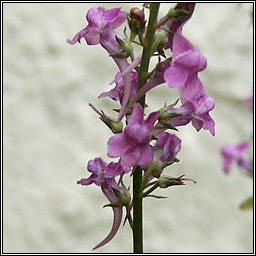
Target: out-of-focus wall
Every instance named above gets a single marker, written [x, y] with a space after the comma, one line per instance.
[50, 133]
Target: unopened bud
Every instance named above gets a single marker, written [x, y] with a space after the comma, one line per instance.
[136, 21]
[112, 124]
[166, 181]
[155, 168]
[138, 14]
[179, 14]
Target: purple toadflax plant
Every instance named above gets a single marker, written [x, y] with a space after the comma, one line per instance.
[144, 144]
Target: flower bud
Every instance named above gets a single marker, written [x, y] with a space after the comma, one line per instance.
[166, 181]
[136, 21]
[137, 14]
[113, 125]
[155, 168]
[179, 14]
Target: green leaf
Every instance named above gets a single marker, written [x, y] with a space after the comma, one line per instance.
[174, 104]
[157, 197]
[247, 204]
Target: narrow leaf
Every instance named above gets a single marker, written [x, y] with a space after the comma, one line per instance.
[157, 197]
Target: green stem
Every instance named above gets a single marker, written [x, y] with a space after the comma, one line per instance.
[146, 54]
[137, 211]
[137, 176]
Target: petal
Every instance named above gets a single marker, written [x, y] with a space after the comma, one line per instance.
[176, 76]
[152, 119]
[209, 124]
[112, 94]
[186, 111]
[120, 19]
[191, 90]
[137, 115]
[129, 159]
[181, 45]
[205, 105]
[113, 169]
[137, 134]
[115, 17]
[194, 61]
[109, 43]
[111, 15]
[95, 17]
[198, 124]
[146, 156]
[117, 145]
[77, 38]
[92, 36]
[96, 165]
[89, 181]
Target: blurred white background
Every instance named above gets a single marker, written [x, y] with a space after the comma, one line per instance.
[50, 133]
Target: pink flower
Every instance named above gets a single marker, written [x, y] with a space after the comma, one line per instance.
[133, 144]
[168, 145]
[103, 175]
[100, 30]
[183, 74]
[101, 171]
[186, 63]
[99, 20]
[235, 154]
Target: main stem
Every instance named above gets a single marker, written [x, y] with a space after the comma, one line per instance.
[137, 176]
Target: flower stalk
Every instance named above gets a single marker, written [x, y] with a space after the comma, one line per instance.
[137, 176]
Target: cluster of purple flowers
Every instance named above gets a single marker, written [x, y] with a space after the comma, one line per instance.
[145, 142]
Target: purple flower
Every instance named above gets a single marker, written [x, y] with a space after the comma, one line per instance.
[133, 144]
[168, 145]
[99, 20]
[100, 30]
[101, 171]
[186, 63]
[117, 93]
[202, 119]
[166, 148]
[235, 154]
[137, 14]
[183, 74]
[103, 175]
